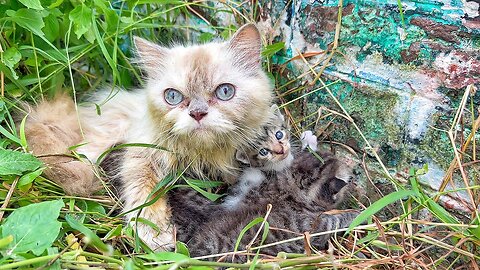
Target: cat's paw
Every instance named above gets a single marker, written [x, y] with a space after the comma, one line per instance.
[155, 240]
[309, 139]
[342, 218]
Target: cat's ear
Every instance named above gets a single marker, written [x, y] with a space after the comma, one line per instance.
[149, 54]
[276, 111]
[246, 45]
[241, 156]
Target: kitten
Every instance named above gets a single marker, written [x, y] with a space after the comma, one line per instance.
[201, 103]
[300, 190]
[301, 197]
[270, 152]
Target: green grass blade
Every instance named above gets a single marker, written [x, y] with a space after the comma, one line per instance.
[245, 229]
[379, 205]
[125, 145]
[94, 239]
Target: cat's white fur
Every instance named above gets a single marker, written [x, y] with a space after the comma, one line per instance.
[206, 146]
[249, 179]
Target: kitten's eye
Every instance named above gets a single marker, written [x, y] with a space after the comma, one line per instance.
[172, 96]
[279, 135]
[225, 91]
[263, 152]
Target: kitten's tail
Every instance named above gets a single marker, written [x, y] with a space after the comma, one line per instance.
[51, 128]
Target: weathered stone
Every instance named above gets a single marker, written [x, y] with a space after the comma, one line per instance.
[322, 20]
[401, 79]
[412, 53]
[437, 30]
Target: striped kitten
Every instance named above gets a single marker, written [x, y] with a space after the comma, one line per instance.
[270, 152]
[300, 190]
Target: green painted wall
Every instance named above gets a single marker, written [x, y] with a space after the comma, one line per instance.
[401, 80]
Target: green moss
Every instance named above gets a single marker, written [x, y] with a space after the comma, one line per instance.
[372, 111]
[378, 30]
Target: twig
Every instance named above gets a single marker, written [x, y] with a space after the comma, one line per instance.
[52, 261]
[457, 159]
[9, 196]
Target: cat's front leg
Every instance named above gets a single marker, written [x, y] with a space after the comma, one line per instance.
[139, 179]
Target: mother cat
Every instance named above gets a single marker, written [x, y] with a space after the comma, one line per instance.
[201, 102]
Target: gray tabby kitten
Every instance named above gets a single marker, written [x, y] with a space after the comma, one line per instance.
[300, 190]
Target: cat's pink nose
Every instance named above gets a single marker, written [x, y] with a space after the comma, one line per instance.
[198, 115]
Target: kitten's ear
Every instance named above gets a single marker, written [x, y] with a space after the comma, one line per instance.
[246, 45]
[241, 156]
[276, 111]
[149, 54]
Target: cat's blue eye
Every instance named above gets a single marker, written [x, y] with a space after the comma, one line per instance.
[263, 152]
[173, 97]
[225, 91]
[279, 135]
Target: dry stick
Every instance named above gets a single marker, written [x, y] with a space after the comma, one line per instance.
[451, 135]
[457, 159]
[453, 164]
[249, 245]
[9, 196]
[52, 261]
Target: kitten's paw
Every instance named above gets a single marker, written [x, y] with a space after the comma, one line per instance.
[308, 139]
[342, 218]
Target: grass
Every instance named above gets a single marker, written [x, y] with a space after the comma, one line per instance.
[90, 46]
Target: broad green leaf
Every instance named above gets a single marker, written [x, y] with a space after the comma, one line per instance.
[111, 17]
[95, 207]
[29, 19]
[14, 162]
[181, 248]
[206, 37]
[34, 4]
[52, 28]
[11, 57]
[81, 18]
[117, 231]
[379, 205]
[56, 4]
[270, 50]
[5, 241]
[29, 177]
[33, 227]
[94, 239]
